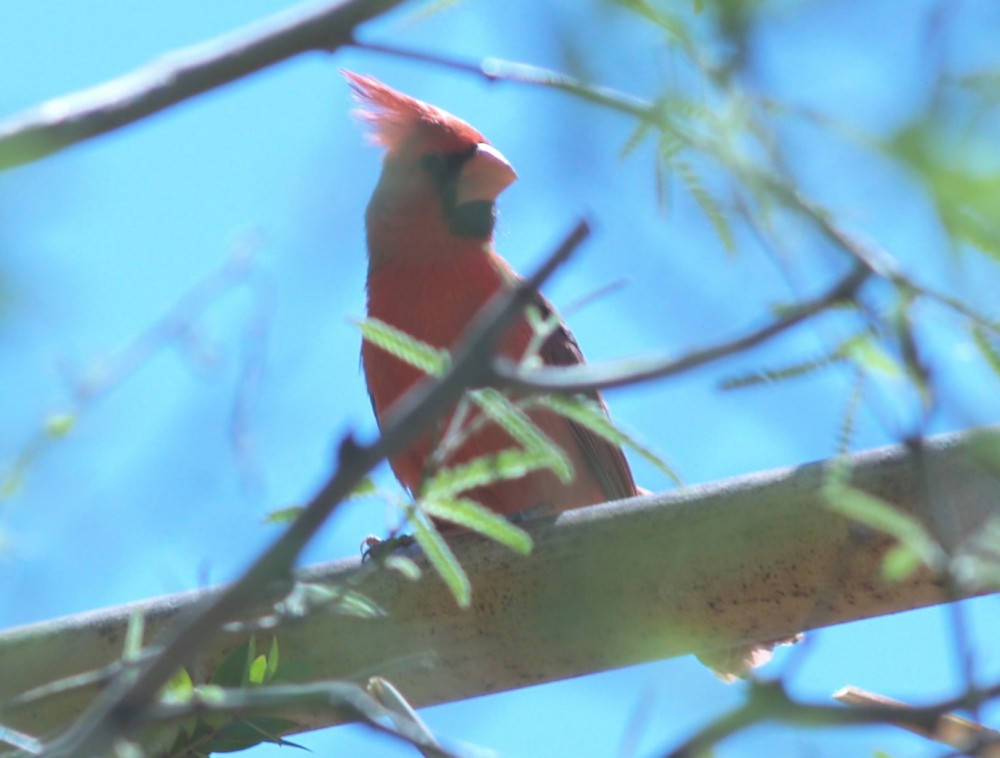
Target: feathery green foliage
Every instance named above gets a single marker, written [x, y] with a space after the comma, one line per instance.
[427, 358]
[587, 413]
[473, 516]
[443, 560]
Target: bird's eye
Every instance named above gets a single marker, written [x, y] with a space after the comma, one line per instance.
[434, 164]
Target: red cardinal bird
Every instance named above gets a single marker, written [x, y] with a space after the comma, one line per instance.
[432, 267]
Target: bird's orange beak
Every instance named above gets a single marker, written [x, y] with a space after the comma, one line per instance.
[484, 176]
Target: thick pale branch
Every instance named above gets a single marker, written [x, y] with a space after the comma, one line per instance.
[752, 558]
[181, 75]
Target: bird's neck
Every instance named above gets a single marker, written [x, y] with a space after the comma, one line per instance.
[434, 297]
[411, 233]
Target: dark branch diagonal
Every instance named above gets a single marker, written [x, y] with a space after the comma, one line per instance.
[592, 377]
[182, 74]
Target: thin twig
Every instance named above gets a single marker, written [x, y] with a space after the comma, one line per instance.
[770, 702]
[181, 75]
[497, 70]
[954, 731]
[589, 378]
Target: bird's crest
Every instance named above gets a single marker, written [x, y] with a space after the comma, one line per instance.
[395, 118]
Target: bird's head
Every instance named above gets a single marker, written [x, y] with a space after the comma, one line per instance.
[440, 177]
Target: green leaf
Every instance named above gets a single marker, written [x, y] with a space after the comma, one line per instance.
[257, 670]
[405, 566]
[864, 351]
[134, 634]
[358, 605]
[487, 469]
[420, 355]
[519, 426]
[284, 515]
[589, 414]
[229, 673]
[783, 373]
[180, 688]
[307, 596]
[444, 561]
[666, 21]
[988, 346]
[60, 424]
[11, 482]
[670, 146]
[689, 177]
[244, 733]
[900, 562]
[958, 177]
[364, 488]
[542, 328]
[882, 516]
[478, 518]
[404, 717]
[636, 138]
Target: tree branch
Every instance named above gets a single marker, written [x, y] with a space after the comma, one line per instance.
[590, 377]
[181, 75]
[770, 702]
[705, 568]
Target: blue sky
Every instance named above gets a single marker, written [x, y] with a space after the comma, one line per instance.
[148, 495]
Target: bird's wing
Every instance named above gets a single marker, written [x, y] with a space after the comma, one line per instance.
[605, 459]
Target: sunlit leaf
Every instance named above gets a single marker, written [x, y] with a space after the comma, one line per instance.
[11, 482]
[782, 373]
[60, 424]
[869, 355]
[284, 515]
[180, 688]
[636, 138]
[364, 488]
[230, 673]
[589, 414]
[965, 194]
[472, 515]
[405, 566]
[357, 604]
[427, 358]
[988, 346]
[692, 182]
[272, 660]
[845, 434]
[444, 561]
[659, 16]
[308, 596]
[900, 563]
[134, 634]
[258, 670]
[512, 463]
[519, 426]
